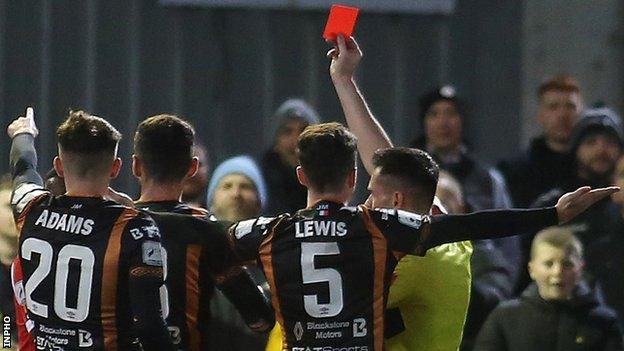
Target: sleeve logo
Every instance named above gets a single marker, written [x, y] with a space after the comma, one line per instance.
[243, 228]
[152, 254]
[410, 219]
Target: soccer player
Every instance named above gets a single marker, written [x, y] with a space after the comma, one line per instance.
[329, 266]
[428, 299]
[92, 268]
[197, 250]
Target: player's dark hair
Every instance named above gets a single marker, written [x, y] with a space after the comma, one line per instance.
[88, 142]
[414, 170]
[164, 143]
[327, 153]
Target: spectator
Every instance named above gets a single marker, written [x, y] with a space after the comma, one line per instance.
[607, 253]
[195, 187]
[596, 142]
[489, 278]
[547, 163]
[236, 192]
[450, 193]
[8, 250]
[557, 311]
[279, 163]
[8, 233]
[494, 262]
[430, 295]
[442, 114]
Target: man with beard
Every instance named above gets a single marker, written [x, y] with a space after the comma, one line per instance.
[597, 142]
[236, 192]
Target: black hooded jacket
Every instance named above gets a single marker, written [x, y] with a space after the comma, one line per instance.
[532, 324]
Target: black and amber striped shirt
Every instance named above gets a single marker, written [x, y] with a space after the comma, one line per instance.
[198, 253]
[85, 262]
[329, 267]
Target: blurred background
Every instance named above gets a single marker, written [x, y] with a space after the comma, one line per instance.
[226, 65]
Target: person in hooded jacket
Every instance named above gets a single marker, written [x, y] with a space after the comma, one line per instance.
[557, 312]
[278, 164]
[494, 263]
[597, 143]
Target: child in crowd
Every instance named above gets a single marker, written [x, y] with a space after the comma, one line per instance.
[557, 311]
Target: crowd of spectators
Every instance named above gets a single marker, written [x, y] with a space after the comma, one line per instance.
[512, 305]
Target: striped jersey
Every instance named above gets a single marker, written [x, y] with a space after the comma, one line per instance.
[198, 253]
[78, 257]
[329, 269]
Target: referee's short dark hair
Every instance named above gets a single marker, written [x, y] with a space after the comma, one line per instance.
[88, 144]
[164, 144]
[327, 153]
[413, 169]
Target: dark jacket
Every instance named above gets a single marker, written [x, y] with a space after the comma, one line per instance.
[536, 171]
[285, 192]
[494, 263]
[601, 231]
[533, 324]
[605, 258]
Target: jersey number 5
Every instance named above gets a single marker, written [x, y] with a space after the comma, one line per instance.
[311, 274]
[67, 253]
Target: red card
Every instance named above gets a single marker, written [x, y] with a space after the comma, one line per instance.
[341, 20]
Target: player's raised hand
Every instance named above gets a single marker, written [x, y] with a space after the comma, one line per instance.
[345, 56]
[24, 125]
[574, 203]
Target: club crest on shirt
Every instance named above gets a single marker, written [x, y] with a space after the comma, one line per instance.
[152, 254]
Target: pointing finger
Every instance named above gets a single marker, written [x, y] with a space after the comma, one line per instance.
[30, 113]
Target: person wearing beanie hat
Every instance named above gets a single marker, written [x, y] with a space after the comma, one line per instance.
[596, 143]
[280, 161]
[236, 190]
[442, 117]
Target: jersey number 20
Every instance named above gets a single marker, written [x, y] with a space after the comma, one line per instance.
[67, 253]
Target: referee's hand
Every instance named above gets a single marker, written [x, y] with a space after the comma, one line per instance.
[574, 203]
[24, 125]
[345, 58]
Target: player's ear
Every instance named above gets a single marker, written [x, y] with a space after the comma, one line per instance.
[352, 178]
[301, 177]
[115, 168]
[58, 166]
[398, 199]
[193, 167]
[137, 167]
